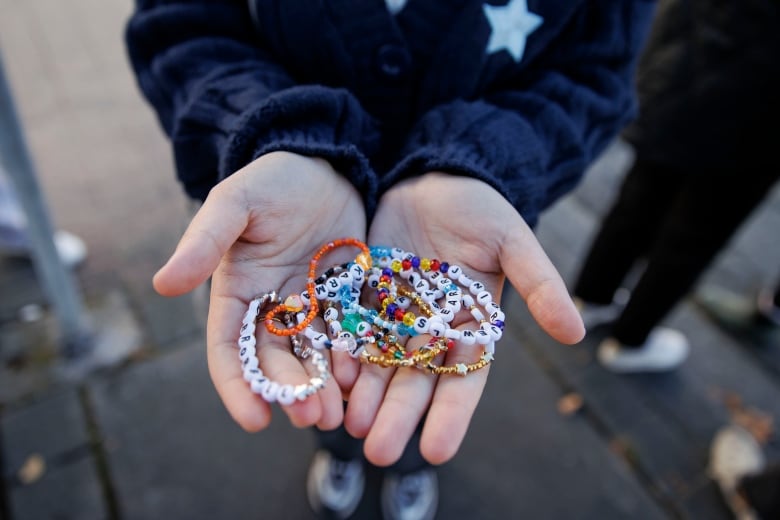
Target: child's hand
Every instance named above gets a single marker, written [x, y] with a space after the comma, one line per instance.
[255, 233]
[462, 221]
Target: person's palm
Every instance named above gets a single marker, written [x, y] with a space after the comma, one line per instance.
[462, 221]
[256, 232]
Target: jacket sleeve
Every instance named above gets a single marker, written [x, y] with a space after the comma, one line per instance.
[532, 136]
[224, 101]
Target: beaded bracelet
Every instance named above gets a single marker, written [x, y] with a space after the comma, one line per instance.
[293, 303]
[269, 390]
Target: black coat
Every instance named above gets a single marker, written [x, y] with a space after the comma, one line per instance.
[709, 86]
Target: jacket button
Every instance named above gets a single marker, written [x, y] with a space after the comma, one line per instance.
[392, 61]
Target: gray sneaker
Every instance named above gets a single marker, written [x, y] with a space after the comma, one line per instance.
[334, 486]
[413, 496]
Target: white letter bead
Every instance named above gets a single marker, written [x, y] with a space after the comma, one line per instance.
[405, 273]
[483, 338]
[422, 285]
[436, 329]
[309, 332]
[454, 272]
[495, 332]
[333, 283]
[428, 296]
[334, 327]
[355, 349]
[247, 341]
[453, 305]
[305, 298]
[467, 337]
[421, 325]
[286, 395]
[252, 373]
[414, 278]
[345, 278]
[249, 362]
[443, 283]
[258, 384]
[270, 392]
[465, 280]
[497, 316]
[397, 253]
[403, 302]
[319, 341]
[492, 307]
[246, 352]
[357, 272]
[320, 291]
[468, 301]
[247, 328]
[446, 314]
[373, 281]
[330, 314]
[484, 297]
[476, 288]
[453, 334]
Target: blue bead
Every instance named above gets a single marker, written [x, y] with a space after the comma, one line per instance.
[387, 272]
[415, 262]
[444, 267]
[499, 324]
[391, 309]
[403, 330]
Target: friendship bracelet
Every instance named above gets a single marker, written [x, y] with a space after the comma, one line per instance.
[261, 385]
[314, 292]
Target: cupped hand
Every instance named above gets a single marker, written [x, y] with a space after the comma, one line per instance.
[466, 222]
[257, 232]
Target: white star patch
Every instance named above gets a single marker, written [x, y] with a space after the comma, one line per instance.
[487, 357]
[510, 27]
[462, 369]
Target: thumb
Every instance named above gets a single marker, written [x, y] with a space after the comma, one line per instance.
[214, 229]
[535, 278]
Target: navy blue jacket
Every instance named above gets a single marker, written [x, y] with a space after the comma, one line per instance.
[385, 97]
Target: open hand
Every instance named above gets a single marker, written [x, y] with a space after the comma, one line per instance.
[466, 222]
[256, 232]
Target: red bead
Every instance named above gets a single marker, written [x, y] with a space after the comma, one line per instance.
[382, 296]
[435, 264]
[406, 264]
[450, 344]
[399, 314]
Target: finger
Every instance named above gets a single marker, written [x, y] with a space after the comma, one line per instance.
[535, 278]
[250, 411]
[405, 401]
[275, 359]
[216, 226]
[365, 398]
[452, 407]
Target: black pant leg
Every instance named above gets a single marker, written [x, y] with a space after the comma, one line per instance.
[704, 216]
[762, 492]
[627, 231]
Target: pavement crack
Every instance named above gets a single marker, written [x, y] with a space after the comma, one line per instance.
[99, 455]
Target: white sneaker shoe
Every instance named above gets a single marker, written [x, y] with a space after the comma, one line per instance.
[665, 349]
[734, 454]
[70, 248]
[334, 486]
[594, 315]
[413, 496]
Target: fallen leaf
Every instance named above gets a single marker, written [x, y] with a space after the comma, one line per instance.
[32, 469]
[570, 404]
